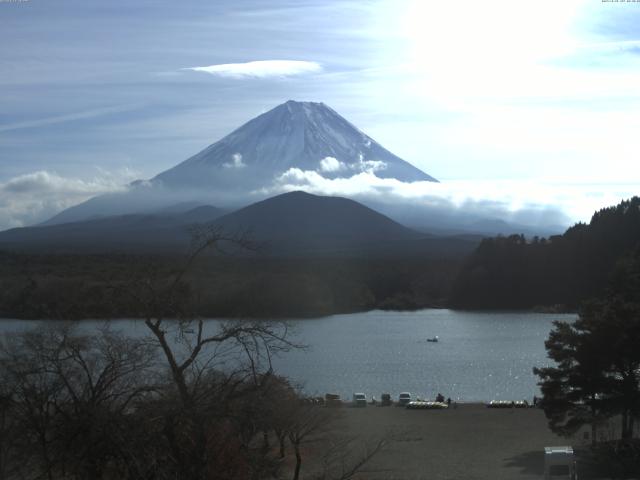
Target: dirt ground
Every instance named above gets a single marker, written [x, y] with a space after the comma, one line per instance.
[467, 442]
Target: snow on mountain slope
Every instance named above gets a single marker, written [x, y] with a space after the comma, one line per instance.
[294, 136]
[303, 135]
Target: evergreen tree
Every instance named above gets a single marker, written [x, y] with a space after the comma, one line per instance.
[597, 371]
[572, 390]
[565, 270]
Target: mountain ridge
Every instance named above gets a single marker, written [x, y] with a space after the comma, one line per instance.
[297, 135]
[234, 170]
[298, 221]
[293, 224]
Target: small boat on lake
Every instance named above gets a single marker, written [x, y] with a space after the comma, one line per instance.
[433, 340]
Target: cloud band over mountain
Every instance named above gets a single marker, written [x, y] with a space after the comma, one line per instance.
[33, 197]
[533, 203]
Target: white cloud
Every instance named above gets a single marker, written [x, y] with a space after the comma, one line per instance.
[521, 201]
[236, 162]
[331, 164]
[35, 197]
[261, 69]
[369, 166]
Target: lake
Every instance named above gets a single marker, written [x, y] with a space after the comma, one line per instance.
[480, 355]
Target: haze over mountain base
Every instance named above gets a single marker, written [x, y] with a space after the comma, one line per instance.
[308, 146]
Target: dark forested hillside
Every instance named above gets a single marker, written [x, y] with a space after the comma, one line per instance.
[293, 224]
[89, 286]
[514, 272]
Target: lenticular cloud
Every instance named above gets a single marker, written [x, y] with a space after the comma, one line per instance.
[260, 69]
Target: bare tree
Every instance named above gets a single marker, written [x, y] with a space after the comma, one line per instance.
[307, 422]
[70, 395]
[102, 406]
[333, 454]
[212, 365]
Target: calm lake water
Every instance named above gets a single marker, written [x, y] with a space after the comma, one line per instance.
[480, 355]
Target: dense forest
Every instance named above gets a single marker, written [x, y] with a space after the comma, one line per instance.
[560, 272]
[90, 286]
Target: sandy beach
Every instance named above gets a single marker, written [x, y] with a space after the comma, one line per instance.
[467, 442]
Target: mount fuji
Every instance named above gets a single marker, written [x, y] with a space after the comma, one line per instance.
[307, 136]
[304, 135]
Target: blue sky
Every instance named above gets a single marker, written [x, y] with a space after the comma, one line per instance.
[536, 102]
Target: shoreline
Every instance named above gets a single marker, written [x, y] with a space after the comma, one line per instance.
[315, 316]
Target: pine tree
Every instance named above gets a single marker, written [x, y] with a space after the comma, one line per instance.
[597, 357]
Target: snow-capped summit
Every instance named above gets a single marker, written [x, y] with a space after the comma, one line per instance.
[303, 135]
